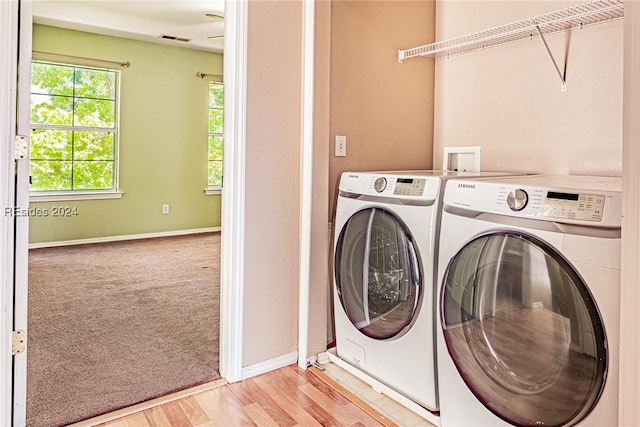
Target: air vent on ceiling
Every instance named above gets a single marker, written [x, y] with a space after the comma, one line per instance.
[179, 39]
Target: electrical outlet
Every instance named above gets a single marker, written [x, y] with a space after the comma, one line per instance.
[341, 146]
[165, 209]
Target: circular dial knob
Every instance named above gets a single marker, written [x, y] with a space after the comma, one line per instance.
[517, 200]
[380, 184]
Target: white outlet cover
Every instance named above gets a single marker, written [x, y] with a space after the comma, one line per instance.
[340, 146]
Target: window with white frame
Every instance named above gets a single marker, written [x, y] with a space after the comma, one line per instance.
[216, 130]
[74, 128]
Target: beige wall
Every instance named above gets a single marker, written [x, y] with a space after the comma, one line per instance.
[273, 180]
[383, 107]
[508, 101]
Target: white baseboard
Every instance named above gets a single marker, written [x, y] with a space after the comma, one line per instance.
[269, 365]
[122, 238]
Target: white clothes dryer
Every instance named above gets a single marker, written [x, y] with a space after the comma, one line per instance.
[529, 296]
[385, 246]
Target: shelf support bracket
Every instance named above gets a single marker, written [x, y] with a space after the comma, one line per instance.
[401, 55]
[555, 64]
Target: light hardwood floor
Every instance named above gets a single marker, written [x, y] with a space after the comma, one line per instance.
[285, 397]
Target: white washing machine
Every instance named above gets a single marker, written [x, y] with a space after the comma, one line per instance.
[528, 298]
[386, 232]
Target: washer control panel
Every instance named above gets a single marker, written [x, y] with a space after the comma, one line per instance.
[580, 206]
[409, 187]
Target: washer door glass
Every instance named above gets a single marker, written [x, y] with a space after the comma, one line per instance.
[378, 273]
[523, 330]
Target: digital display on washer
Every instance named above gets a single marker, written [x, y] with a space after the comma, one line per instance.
[409, 187]
[583, 207]
[562, 196]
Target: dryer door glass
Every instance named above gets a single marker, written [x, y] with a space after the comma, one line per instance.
[523, 330]
[378, 273]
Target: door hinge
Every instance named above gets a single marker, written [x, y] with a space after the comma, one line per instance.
[21, 148]
[18, 342]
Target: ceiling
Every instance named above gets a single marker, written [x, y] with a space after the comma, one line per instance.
[146, 20]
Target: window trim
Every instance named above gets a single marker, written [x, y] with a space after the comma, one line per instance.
[63, 196]
[213, 190]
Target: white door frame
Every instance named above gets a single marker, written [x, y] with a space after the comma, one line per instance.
[15, 81]
[22, 222]
[233, 191]
[8, 86]
[306, 179]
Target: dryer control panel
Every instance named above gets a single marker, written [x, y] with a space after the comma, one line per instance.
[555, 204]
[592, 201]
[398, 186]
[409, 188]
[580, 206]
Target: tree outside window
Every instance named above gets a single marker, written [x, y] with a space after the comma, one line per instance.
[73, 127]
[216, 130]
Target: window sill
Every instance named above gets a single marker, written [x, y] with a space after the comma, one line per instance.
[76, 195]
[213, 191]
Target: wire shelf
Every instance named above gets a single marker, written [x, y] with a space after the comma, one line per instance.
[570, 18]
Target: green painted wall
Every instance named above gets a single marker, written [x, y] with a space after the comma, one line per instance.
[162, 145]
